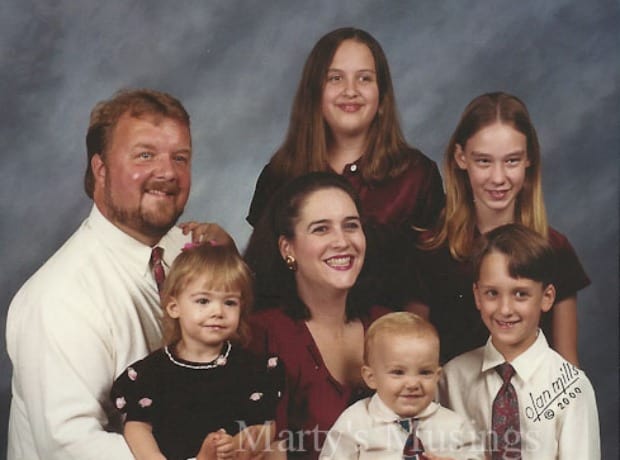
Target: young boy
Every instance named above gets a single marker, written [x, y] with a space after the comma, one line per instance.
[531, 403]
[401, 356]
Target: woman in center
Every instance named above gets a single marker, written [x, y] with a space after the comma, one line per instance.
[310, 245]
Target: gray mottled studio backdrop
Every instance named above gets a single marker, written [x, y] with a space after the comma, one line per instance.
[235, 64]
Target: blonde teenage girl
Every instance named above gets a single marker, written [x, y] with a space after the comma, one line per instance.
[493, 177]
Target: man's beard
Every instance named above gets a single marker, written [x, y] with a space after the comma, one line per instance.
[151, 224]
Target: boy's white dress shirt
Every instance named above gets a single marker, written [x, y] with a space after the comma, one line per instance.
[558, 414]
[370, 430]
[91, 310]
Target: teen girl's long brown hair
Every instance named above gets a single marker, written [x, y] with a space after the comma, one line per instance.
[305, 146]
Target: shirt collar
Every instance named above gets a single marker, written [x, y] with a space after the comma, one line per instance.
[382, 413]
[130, 249]
[524, 365]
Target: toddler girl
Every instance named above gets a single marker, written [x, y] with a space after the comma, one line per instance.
[202, 382]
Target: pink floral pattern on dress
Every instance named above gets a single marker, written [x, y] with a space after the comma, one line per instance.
[272, 362]
[120, 403]
[145, 402]
[132, 374]
[257, 396]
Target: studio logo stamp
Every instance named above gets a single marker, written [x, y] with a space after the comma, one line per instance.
[557, 397]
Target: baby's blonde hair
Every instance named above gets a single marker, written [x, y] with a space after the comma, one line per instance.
[225, 271]
[399, 323]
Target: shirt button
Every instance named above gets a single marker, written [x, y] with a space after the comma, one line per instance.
[353, 168]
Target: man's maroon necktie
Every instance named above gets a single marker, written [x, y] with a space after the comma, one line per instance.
[158, 267]
[506, 434]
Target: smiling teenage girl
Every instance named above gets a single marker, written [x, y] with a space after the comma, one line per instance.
[493, 177]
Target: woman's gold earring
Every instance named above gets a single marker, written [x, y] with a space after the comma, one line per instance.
[291, 263]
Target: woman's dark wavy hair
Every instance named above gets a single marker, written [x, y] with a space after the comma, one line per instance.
[274, 283]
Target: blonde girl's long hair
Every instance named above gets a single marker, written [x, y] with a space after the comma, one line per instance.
[304, 149]
[224, 270]
[458, 221]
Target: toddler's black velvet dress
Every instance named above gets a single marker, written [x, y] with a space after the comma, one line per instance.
[184, 401]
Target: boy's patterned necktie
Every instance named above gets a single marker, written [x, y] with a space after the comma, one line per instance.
[414, 449]
[157, 267]
[506, 434]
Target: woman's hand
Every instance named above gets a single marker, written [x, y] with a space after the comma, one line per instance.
[205, 231]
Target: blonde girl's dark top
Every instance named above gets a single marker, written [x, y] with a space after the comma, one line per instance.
[184, 401]
[312, 399]
[445, 285]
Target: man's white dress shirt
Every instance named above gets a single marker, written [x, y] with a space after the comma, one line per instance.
[557, 407]
[90, 311]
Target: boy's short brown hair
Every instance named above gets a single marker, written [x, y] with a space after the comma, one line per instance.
[529, 254]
